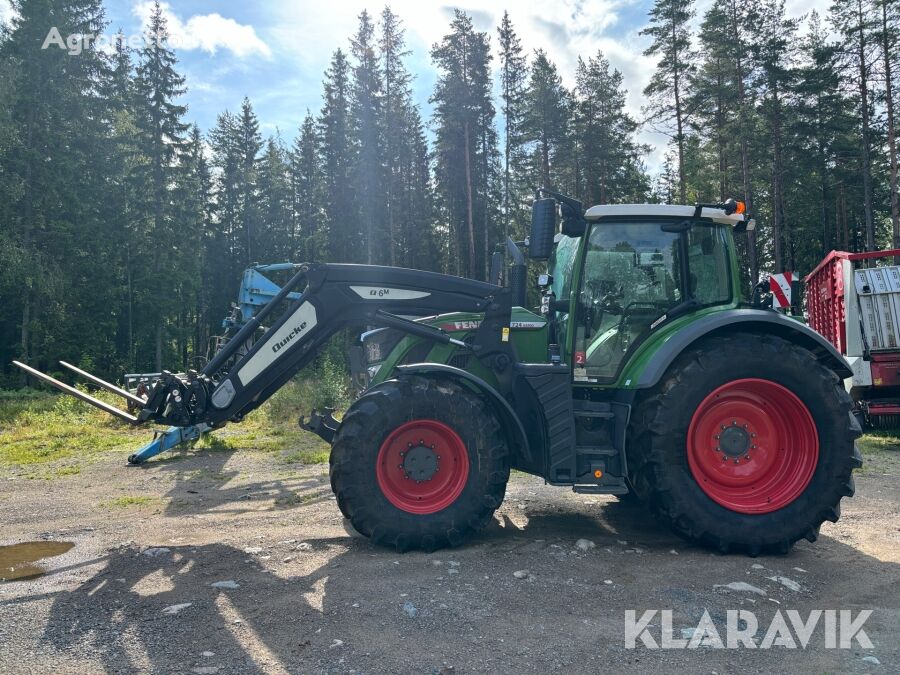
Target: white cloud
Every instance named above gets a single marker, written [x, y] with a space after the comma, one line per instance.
[6, 12]
[208, 32]
[304, 34]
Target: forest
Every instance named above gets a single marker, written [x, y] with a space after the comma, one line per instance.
[124, 227]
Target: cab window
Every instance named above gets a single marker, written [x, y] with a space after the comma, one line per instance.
[632, 278]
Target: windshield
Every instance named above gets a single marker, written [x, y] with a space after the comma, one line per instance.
[632, 278]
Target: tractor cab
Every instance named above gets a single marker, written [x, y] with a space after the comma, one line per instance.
[626, 270]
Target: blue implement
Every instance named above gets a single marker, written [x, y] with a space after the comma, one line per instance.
[166, 440]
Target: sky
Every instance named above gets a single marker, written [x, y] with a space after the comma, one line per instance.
[276, 52]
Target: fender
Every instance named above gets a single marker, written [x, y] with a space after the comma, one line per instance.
[760, 320]
[515, 432]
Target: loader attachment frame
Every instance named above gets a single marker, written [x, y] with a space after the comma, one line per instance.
[318, 301]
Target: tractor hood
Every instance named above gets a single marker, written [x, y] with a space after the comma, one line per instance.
[522, 320]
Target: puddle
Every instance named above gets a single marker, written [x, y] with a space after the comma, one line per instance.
[17, 561]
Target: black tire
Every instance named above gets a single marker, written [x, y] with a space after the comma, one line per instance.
[373, 417]
[658, 453]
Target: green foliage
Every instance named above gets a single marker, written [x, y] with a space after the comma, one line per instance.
[124, 240]
[126, 501]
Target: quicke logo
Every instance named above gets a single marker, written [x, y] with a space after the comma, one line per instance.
[290, 336]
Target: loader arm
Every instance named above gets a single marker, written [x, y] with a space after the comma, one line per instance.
[332, 297]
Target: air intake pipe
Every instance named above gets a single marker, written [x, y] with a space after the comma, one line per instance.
[518, 273]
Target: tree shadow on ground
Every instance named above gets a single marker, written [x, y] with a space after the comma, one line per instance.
[339, 603]
[204, 483]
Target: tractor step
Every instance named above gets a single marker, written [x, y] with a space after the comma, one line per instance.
[612, 485]
[598, 450]
[594, 414]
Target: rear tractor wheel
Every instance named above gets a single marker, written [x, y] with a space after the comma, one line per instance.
[746, 444]
[419, 463]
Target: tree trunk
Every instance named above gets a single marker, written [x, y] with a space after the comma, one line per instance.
[679, 122]
[746, 182]
[778, 227]
[506, 150]
[891, 129]
[866, 157]
[720, 133]
[470, 218]
[27, 231]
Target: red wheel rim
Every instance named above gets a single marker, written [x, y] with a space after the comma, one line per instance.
[752, 446]
[422, 466]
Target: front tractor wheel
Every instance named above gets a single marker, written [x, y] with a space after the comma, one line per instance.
[747, 444]
[419, 463]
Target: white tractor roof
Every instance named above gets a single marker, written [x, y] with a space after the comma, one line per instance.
[677, 210]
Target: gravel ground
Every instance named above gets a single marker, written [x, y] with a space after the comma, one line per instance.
[236, 564]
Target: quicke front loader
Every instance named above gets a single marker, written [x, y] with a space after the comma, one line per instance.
[643, 374]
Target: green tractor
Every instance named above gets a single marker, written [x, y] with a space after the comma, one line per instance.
[643, 374]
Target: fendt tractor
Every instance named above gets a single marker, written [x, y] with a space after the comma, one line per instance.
[642, 374]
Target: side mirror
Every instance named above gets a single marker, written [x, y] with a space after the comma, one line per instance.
[543, 228]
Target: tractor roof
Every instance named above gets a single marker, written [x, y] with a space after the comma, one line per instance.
[676, 210]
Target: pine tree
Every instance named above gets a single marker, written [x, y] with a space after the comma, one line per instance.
[465, 141]
[307, 240]
[546, 118]
[54, 121]
[193, 202]
[160, 133]
[407, 177]
[274, 206]
[890, 30]
[856, 21]
[605, 133]
[337, 154]
[775, 55]
[365, 107]
[513, 83]
[823, 118]
[250, 144]
[669, 28]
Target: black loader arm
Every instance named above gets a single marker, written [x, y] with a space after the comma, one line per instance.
[333, 297]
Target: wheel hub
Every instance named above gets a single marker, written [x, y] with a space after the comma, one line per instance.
[734, 441]
[420, 462]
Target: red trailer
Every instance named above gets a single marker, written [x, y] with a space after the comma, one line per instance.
[853, 299]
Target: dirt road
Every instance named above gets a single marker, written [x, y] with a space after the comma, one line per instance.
[223, 562]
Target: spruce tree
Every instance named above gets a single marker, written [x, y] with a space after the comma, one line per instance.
[308, 240]
[337, 157]
[465, 140]
[160, 133]
[513, 84]
[366, 110]
[670, 30]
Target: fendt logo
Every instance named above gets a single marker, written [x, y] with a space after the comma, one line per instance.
[290, 336]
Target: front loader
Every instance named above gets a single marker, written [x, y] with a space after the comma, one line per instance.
[643, 374]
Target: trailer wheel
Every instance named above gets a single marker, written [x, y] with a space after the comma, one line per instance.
[419, 463]
[746, 444]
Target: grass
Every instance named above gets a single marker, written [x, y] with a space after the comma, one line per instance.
[128, 500]
[43, 433]
[40, 429]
